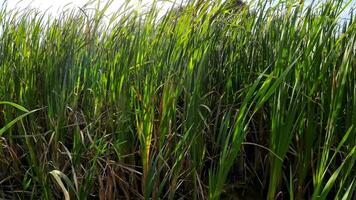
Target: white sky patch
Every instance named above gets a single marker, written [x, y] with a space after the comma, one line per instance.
[54, 7]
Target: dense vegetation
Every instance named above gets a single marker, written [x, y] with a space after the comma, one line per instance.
[208, 101]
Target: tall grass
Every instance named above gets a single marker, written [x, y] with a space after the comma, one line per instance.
[212, 100]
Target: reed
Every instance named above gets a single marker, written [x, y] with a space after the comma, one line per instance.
[211, 100]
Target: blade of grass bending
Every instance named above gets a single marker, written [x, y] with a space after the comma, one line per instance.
[60, 183]
[10, 124]
[14, 105]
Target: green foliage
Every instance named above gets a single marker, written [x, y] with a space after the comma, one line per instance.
[208, 101]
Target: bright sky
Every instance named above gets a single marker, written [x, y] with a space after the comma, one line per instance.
[54, 6]
[57, 4]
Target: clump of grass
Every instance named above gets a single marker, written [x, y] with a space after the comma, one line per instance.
[207, 101]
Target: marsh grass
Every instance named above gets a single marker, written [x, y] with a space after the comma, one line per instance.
[208, 101]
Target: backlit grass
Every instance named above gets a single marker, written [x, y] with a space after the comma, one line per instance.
[212, 100]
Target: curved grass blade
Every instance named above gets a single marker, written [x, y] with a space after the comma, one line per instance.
[14, 105]
[10, 124]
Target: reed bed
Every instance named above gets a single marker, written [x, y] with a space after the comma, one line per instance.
[211, 100]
